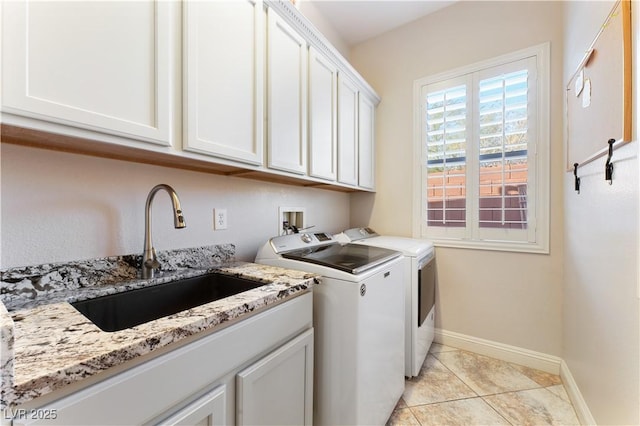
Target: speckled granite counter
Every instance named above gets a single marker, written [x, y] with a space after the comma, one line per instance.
[47, 344]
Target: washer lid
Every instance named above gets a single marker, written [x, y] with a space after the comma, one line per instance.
[351, 258]
[413, 247]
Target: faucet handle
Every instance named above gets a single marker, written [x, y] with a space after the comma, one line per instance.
[152, 263]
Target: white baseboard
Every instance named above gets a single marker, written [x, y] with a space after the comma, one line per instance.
[579, 404]
[539, 361]
[514, 354]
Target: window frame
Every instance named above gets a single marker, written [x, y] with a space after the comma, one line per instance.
[537, 240]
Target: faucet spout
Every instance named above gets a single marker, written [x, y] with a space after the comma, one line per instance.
[150, 262]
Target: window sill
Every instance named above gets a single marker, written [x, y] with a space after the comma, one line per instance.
[510, 246]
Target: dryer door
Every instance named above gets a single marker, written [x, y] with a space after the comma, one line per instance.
[426, 288]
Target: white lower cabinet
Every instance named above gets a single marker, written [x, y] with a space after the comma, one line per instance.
[208, 410]
[260, 368]
[288, 369]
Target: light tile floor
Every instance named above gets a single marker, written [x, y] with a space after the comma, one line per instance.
[457, 387]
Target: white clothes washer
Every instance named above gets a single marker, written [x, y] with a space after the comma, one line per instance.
[420, 278]
[358, 324]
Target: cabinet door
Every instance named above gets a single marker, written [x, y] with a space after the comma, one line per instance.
[207, 410]
[287, 96]
[323, 85]
[223, 78]
[105, 66]
[278, 389]
[347, 131]
[366, 143]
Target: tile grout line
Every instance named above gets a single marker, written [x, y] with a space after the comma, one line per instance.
[512, 391]
[563, 400]
[526, 390]
[455, 400]
[496, 410]
[481, 397]
[455, 375]
[477, 395]
[538, 385]
[440, 402]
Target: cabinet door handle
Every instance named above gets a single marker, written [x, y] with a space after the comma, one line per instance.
[386, 274]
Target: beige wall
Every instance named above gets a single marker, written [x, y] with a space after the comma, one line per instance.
[601, 306]
[511, 298]
[310, 11]
[59, 207]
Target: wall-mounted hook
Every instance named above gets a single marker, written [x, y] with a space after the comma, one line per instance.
[608, 171]
[577, 179]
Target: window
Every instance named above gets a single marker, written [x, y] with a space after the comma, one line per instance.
[482, 134]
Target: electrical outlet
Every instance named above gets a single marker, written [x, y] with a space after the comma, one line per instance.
[219, 219]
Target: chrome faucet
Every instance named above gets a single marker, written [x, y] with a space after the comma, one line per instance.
[149, 261]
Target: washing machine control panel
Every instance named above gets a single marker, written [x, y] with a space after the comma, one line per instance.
[355, 234]
[297, 241]
[321, 236]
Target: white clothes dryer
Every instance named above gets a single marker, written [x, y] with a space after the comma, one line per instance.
[420, 281]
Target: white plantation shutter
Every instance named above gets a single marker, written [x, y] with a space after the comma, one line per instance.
[479, 141]
[505, 126]
[503, 118]
[446, 120]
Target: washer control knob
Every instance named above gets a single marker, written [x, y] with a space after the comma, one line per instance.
[306, 238]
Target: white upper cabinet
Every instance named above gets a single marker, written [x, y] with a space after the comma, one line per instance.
[323, 83]
[366, 146]
[286, 96]
[347, 131]
[244, 85]
[101, 65]
[223, 79]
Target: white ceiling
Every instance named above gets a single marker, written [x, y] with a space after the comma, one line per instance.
[360, 20]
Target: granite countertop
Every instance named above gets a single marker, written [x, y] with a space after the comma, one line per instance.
[47, 344]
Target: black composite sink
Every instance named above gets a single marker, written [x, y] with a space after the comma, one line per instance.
[130, 308]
